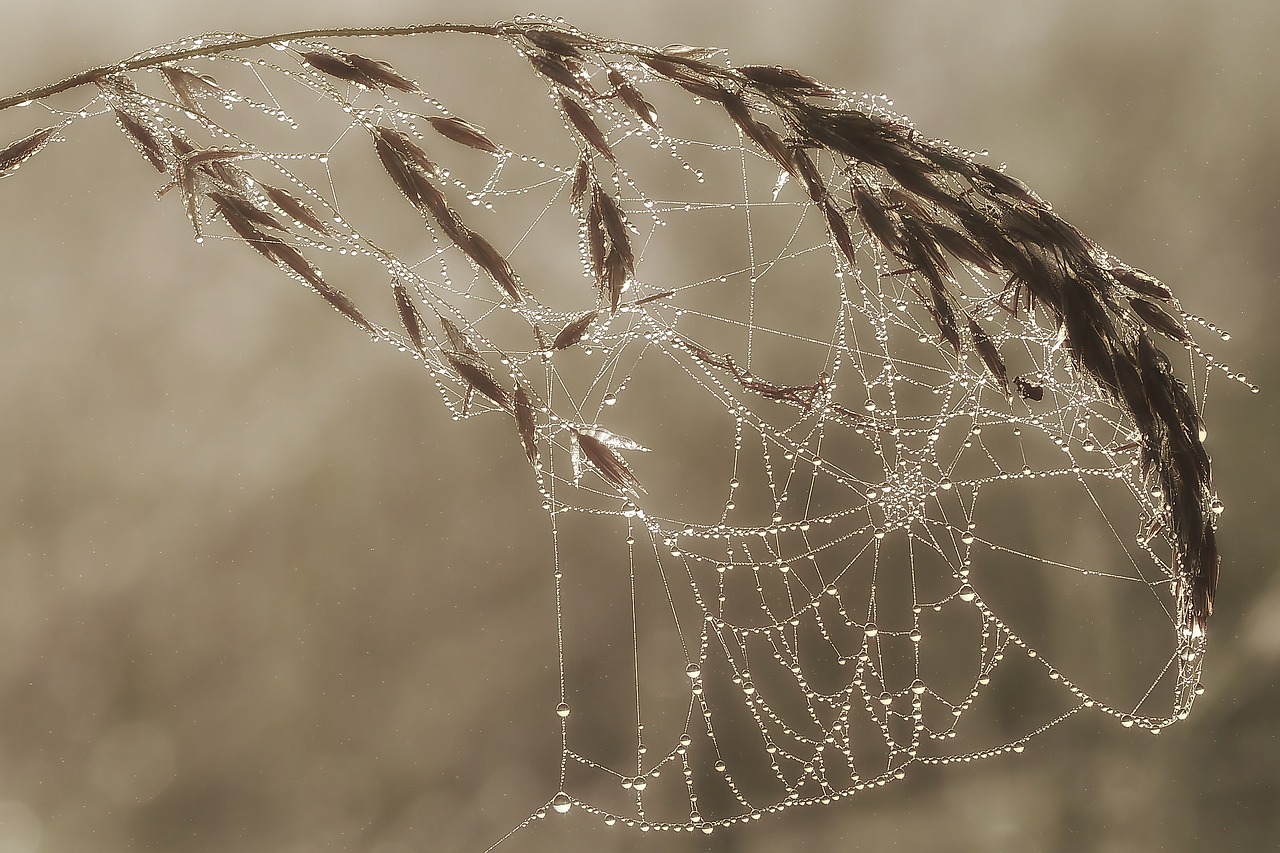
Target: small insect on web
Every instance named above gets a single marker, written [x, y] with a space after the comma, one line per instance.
[843, 427]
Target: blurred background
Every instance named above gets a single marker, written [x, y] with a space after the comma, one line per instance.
[258, 595]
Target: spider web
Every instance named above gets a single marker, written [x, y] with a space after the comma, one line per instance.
[801, 540]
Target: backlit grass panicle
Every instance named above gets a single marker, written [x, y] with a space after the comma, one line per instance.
[930, 218]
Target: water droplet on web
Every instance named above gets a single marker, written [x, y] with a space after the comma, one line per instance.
[562, 710]
[967, 593]
[561, 803]
[693, 671]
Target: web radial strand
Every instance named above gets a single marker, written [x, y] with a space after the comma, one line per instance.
[856, 456]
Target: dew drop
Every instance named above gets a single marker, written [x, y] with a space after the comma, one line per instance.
[562, 710]
[561, 803]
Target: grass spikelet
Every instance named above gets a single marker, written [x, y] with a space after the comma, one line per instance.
[574, 331]
[581, 178]
[1157, 318]
[409, 317]
[189, 87]
[785, 79]
[457, 339]
[494, 263]
[682, 74]
[145, 141]
[561, 70]
[631, 96]
[759, 133]
[475, 371]
[840, 233]
[1141, 283]
[407, 150]
[595, 445]
[525, 423]
[360, 70]
[380, 73]
[877, 220]
[16, 153]
[295, 208]
[464, 133]
[989, 354]
[557, 42]
[586, 126]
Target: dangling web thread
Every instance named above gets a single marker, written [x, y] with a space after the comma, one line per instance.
[836, 426]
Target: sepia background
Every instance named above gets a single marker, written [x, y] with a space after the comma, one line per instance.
[259, 598]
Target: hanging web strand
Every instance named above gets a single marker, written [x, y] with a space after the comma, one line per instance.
[840, 427]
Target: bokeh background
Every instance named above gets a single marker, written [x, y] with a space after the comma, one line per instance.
[258, 597]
